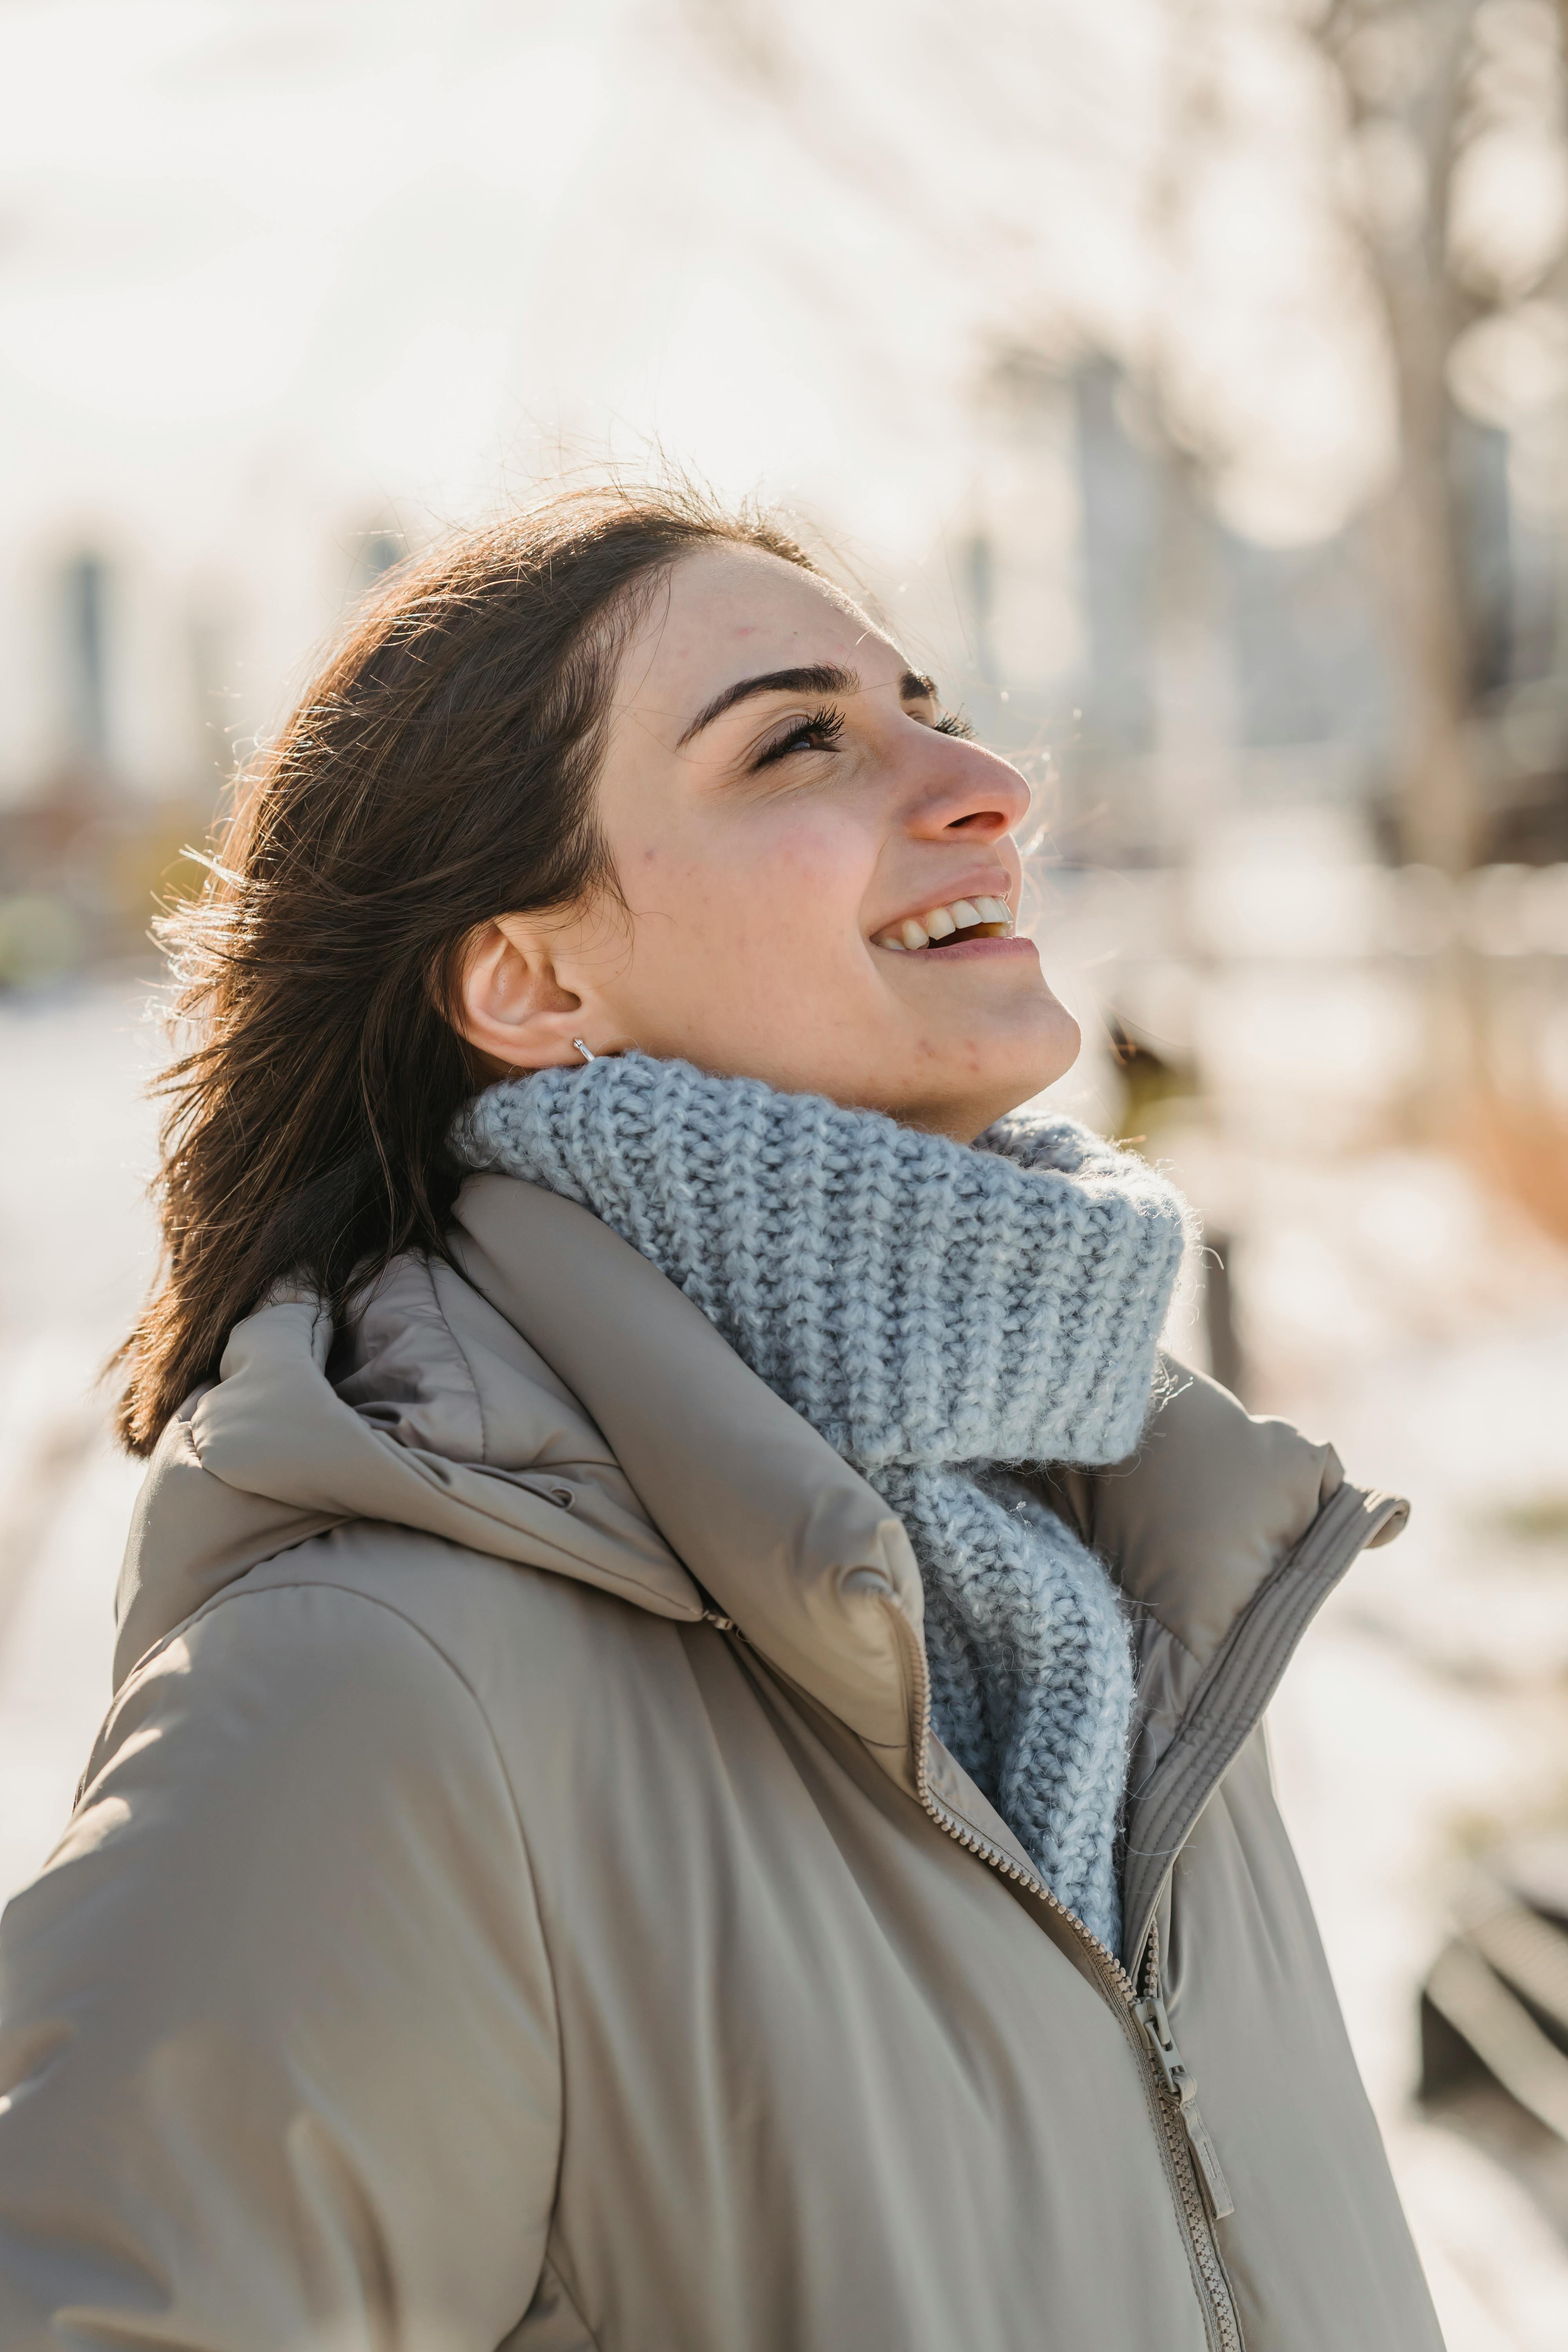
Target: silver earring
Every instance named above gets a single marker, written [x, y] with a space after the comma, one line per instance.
[583, 1050]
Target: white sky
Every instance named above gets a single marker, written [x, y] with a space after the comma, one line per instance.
[430, 232]
[271, 269]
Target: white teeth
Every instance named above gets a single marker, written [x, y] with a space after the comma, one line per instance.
[942, 922]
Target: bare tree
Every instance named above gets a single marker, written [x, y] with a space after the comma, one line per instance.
[1403, 73]
[1410, 76]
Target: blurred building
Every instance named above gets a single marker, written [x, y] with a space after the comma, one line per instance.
[1189, 670]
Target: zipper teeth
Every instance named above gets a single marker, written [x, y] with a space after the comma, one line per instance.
[1004, 1864]
[1191, 2196]
[1195, 2214]
[1222, 2309]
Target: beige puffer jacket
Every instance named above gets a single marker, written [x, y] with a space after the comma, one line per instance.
[517, 1898]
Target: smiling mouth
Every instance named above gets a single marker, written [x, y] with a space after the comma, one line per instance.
[949, 925]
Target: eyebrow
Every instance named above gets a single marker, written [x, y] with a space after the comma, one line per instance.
[815, 677]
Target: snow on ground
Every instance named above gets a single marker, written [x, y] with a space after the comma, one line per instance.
[1423, 1716]
[76, 1249]
[1388, 1306]
[1385, 1305]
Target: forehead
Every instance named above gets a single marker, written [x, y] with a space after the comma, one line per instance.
[727, 612]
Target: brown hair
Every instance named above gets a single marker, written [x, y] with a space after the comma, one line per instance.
[439, 771]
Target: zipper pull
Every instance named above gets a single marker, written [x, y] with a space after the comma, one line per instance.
[1151, 2015]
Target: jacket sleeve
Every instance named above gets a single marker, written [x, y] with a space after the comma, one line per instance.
[277, 2054]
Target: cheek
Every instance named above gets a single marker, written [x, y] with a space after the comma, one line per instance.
[767, 897]
[810, 885]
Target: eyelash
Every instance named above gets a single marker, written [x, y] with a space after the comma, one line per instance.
[823, 729]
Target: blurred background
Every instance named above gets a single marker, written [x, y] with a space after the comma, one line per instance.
[1186, 380]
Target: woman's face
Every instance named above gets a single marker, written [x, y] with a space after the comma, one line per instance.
[789, 822]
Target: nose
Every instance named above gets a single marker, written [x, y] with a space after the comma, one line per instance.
[972, 794]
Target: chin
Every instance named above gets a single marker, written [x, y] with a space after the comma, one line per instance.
[1039, 1060]
[982, 1085]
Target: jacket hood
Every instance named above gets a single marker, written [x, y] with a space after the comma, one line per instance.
[552, 1400]
[557, 1403]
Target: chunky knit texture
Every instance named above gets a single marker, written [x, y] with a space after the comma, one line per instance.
[938, 1313]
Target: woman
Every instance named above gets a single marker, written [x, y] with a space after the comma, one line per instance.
[685, 1769]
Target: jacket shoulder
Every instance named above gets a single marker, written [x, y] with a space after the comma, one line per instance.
[296, 1850]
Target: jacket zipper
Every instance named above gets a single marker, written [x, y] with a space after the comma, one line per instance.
[1178, 2083]
[1190, 2152]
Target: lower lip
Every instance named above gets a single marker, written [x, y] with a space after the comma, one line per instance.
[967, 951]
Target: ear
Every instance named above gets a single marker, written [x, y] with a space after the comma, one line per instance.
[511, 1005]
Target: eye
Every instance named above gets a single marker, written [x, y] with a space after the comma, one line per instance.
[820, 732]
[955, 723]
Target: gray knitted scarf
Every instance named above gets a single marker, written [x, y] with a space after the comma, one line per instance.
[938, 1313]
